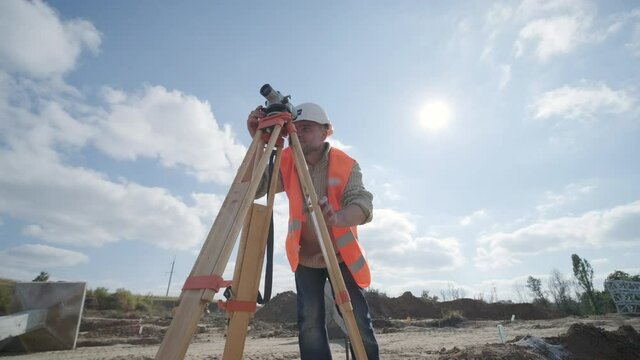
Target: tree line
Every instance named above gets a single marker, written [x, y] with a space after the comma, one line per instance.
[585, 300]
[575, 295]
[571, 296]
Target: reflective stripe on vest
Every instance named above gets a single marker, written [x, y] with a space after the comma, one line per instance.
[338, 172]
[346, 240]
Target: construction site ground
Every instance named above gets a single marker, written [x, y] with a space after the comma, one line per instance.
[407, 327]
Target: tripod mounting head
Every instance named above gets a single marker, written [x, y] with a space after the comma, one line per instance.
[276, 102]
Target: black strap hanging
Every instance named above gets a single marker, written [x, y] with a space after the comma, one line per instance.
[268, 275]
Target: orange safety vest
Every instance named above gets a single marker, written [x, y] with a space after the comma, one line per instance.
[346, 239]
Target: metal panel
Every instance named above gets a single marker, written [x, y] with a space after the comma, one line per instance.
[625, 294]
[62, 303]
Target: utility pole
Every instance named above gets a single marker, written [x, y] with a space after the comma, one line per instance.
[171, 274]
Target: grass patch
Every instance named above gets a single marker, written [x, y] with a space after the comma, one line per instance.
[451, 318]
[6, 295]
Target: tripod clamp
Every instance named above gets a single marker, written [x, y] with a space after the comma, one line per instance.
[214, 283]
[283, 119]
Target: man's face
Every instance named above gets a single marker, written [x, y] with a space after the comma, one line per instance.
[311, 134]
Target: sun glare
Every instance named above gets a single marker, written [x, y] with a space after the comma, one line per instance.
[435, 115]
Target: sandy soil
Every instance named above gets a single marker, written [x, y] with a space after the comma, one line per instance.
[471, 339]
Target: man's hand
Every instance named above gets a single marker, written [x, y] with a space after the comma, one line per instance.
[252, 120]
[330, 216]
[352, 215]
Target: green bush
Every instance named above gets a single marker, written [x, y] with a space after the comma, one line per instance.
[124, 299]
[143, 307]
[621, 275]
[104, 300]
[452, 314]
[451, 318]
[605, 302]
[144, 303]
[6, 296]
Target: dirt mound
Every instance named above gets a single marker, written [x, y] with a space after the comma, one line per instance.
[479, 310]
[405, 305]
[581, 342]
[379, 305]
[408, 305]
[586, 341]
[491, 352]
[281, 308]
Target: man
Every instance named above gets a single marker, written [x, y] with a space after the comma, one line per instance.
[345, 204]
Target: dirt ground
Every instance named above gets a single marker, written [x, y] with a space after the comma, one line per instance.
[406, 327]
[596, 337]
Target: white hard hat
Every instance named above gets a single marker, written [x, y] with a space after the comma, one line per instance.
[313, 112]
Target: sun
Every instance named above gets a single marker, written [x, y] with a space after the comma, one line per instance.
[435, 115]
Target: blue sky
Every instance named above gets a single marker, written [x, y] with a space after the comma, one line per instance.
[498, 138]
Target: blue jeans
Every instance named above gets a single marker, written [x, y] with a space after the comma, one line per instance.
[312, 329]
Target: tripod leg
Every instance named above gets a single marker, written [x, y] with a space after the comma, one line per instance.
[248, 280]
[246, 277]
[324, 238]
[217, 248]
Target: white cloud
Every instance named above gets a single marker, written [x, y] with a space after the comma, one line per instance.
[473, 218]
[600, 261]
[44, 121]
[71, 205]
[570, 194]
[36, 42]
[206, 205]
[32, 117]
[497, 19]
[548, 28]
[74, 205]
[554, 36]
[618, 226]
[503, 289]
[582, 102]
[391, 191]
[553, 27]
[176, 129]
[528, 9]
[338, 144]
[416, 285]
[634, 43]
[40, 257]
[499, 13]
[505, 75]
[391, 240]
[384, 184]
[494, 258]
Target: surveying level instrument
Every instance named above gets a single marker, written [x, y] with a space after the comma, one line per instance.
[238, 212]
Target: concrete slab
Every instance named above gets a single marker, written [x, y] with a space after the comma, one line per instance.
[63, 303]
[21, 323]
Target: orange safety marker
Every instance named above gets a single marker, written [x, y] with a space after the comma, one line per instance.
[201, 282]
[342, 297]
[236, 305]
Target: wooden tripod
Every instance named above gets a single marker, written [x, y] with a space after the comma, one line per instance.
[238, 210]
